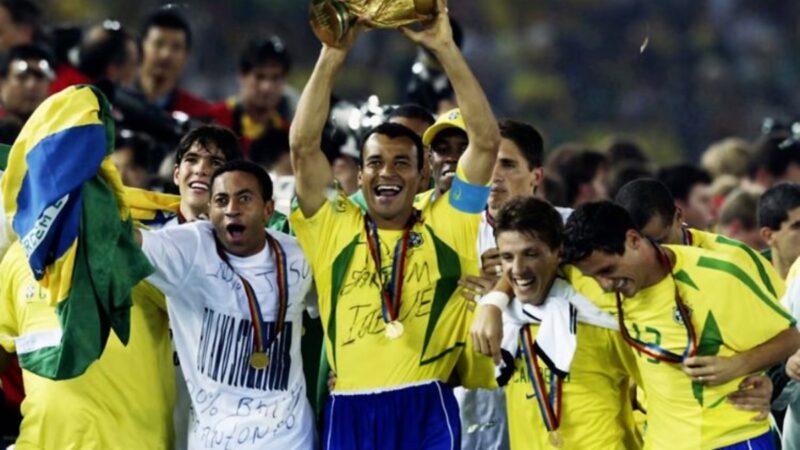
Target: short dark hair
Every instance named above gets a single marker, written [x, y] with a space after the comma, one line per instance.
[143, 148]
[624, 173]
[579, 169]
[775, 204]
[206, 135]
[530, 215]
[241, 165]
[596, 226]
[23, 12]
[681, 178]
[644, 199]
[260, 52]
[526, 138]
[166, 17]
[24, 52]
[412, 111]
[108, 49]
[395, 131]
[623, 151]
[269, 147]
[774, 153]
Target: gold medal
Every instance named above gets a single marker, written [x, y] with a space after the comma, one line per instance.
[555, 439]
[259, 360]
[394, 330]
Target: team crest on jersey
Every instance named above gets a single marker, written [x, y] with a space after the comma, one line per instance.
[415, 239]
[676, 315]
[30, 291]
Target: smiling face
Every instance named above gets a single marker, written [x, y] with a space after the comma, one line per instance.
[529, 263]
[239, 213]
[389, 178]
[193, 175]
[446, 148]
[629, 273]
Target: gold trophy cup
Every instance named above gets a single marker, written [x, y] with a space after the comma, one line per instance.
[331, 19]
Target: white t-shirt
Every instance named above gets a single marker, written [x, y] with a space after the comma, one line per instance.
[234, 405]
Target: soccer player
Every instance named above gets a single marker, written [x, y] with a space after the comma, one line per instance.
[396, 330]
[235, 295]
[652, 208]
[588, 362]
[675, 302]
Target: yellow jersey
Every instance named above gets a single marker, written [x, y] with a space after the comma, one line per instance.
[435, 344]
[596, 409]
[123, 401]
[768, 277]
[730, 313]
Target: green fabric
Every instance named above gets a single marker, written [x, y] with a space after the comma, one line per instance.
[279, 222]
[449, 274]
[709, 344]
[767, 253]
[762, 272]
[310, 346]
[5, 149]
[108, 264]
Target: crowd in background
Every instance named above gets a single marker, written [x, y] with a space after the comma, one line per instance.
[617, 89]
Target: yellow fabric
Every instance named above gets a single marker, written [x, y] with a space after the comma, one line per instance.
[123, 401]
[716, 243]
[729, 318]
[596, 411]
[362, 357]
[145, 205]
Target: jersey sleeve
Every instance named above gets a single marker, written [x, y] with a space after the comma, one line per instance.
[742, 313]
[456, 215]
[172, 251]
[318, 236]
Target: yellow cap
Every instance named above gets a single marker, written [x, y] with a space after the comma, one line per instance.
[450, 119]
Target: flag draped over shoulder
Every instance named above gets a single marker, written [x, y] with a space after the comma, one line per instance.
[152, 209]
[65, 201]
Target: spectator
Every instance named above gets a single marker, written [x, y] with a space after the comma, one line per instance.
[729, 156]
[26, 75]
[107, 52]
[623, 151]
[136, 159]
[624, 173]
[779, 220]
[264, 103]
[776, 159]
[690, 188]
[271, 151]
[19, 23]
[585, 176]
[166, 40]
[738, 218]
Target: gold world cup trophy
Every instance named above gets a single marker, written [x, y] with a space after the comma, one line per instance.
[331, 19]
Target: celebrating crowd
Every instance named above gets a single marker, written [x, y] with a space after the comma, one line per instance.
[295, 272]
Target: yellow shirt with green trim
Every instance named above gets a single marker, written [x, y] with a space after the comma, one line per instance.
[435, 317]
[596, 411]
[731, 313]
[124, 400]
[769, 278]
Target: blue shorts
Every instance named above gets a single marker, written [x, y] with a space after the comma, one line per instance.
[764, 442]
[423, 417]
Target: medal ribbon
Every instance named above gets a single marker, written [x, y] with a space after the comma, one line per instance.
[549, 400]
[652, 350]
[392, 293]
[260, 339]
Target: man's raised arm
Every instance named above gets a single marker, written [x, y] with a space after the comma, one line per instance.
[313, 173]
[484, 135]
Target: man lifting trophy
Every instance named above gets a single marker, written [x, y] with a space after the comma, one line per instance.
[330, 19]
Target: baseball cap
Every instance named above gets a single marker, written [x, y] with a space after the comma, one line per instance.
[450, 119]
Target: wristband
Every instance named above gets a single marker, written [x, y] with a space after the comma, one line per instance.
[495, 298]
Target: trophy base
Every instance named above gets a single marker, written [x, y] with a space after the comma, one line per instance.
[330, 21]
